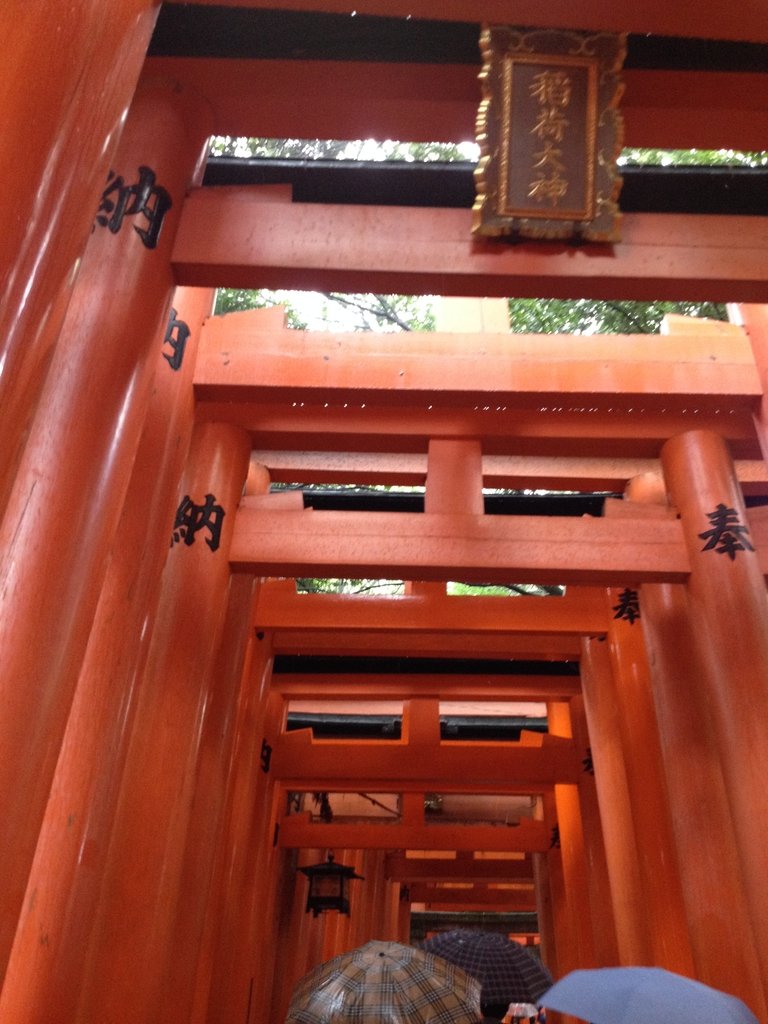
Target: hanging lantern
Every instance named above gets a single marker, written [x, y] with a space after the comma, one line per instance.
[328, 886]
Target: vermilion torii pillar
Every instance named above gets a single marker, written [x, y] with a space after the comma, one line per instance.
[713, 894]
[61, 126]
[73, 478]
[125, 963]
[633, 930]
[72, 848]
[729, 610]
[638, 733]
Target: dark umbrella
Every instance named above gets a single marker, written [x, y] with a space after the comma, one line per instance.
[507, 972]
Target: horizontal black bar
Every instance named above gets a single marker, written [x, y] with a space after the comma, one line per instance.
[738, 191]
[187, 30]
[452, 727]
[331, 664]
[495, 504]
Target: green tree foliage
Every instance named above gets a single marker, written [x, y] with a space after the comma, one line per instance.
[692, 157]
[339, 149]
[592, 316]
[335, 310]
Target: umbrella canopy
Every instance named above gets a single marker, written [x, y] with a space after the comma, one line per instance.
[385, 983]
[641, 995]
[506, 971]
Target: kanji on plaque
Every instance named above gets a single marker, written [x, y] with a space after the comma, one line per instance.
[549, 134]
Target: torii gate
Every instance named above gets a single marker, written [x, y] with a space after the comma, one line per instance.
[143, 878]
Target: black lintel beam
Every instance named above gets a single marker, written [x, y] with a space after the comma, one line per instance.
[735, 191]
[187, 30]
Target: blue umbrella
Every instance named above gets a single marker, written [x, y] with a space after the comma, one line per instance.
[641, 995]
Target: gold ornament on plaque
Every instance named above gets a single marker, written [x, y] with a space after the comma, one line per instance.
[550, 132]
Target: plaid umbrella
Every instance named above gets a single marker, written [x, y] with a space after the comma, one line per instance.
[385, 983]
[506, 971]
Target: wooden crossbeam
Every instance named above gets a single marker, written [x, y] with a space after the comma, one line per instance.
[342, 687]
[232, 236]
[583, 610]
[297, 831]
[374, 643]
[438, 102]
[486, 549]
[609, 429]
[504, 371]
[501, 767]
[499, 471]
[461, 868]
[477, 896]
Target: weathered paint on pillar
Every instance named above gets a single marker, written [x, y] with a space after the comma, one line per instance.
[64, 881]
[65, 85]
[75, 471]
[729, 610]
[629, 911]
[638, 734]
[123, 971]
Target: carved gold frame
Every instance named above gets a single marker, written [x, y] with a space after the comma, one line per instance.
[601, 55]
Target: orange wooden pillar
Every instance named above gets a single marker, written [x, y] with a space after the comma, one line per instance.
[245, 950]
[729, 609]
[714, 897]
[563, 923]
[403, 916]
[198, 893]
[713, 894]
[545, 911]
[632, 924]
[74, 475]
[71, 850]
[649, 802]
[454, 477]
[296, 942]
[124, 966]
[605, 947]
[235, 856]
[65, 83]
[579, 951]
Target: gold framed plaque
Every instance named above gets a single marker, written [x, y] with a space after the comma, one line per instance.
[550, 132]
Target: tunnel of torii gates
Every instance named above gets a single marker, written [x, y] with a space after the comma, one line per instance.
[155, 808]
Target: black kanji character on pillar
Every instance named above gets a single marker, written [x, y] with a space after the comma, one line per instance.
[628, 606]
[190, 518]
[727, 535]
[119, 201]
[554, 838]
[176, 336]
